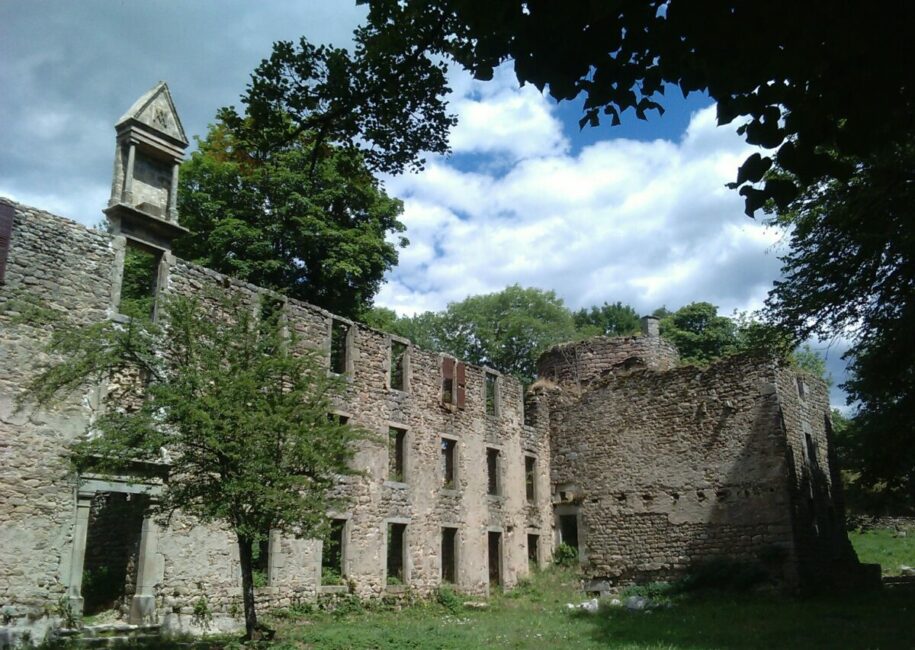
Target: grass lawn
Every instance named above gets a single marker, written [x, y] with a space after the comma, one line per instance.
[535, 616]
[881, 546]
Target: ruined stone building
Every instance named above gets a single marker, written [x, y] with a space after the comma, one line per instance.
[645, 466]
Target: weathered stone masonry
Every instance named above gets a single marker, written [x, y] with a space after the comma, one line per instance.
[650, 466]
[665, 467]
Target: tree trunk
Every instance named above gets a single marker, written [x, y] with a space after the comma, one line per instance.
[247, 585]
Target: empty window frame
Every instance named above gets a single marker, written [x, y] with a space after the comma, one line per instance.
[397, 455]
[336, 418]
[139, 281]
[449, 466]
[260, 561]
[568, 530]
[333, 555]
[449, 555]
[533, 550]
[339, 346]
[454, 382]
[801, 387]
[397, 377]
[495, 558]
[493, 462]
[530, 478]
[397, 554]
[811, 450]
[491, 382]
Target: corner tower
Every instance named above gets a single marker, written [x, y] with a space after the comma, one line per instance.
[144, 186]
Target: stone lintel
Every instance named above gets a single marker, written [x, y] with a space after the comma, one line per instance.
[149, 229]
[153, 143]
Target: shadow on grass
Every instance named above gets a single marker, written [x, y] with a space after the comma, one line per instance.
[871, 620]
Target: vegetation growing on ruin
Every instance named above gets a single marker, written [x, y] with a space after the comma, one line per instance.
[233, 405]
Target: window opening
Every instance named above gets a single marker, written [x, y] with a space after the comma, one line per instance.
[495, 558]
[336, 418]
[811, 450]
[396, 554]
[398, 377]
[568, 530]
[530, 466]
[449, 555]
[339, 332]
[138, 281]
[397, 454]
[533, 550]
[332, 570]
[491, 382]
[447, 380]
[112, 551]
[271, 314]
[801, 387]
[492, 470]
[448, 478]
[260, 561]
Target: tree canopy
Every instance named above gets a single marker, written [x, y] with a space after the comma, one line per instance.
[614, 319]
[510, 329]
[507, 330]
[850, 272]
[240, 409]
[265, 216]
[799, 78]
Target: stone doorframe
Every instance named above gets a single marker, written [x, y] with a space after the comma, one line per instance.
[150, 564]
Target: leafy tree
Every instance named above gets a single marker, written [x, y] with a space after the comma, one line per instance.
[796, 75]
[850, 272]
[240, 409]
[609, 320]
[700, 334]
[507, 330]
[387, 103]
[267, 217]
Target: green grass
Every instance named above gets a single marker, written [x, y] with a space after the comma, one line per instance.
[882, 546]
[535, 616]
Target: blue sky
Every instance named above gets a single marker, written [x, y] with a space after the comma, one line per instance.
[636, 213]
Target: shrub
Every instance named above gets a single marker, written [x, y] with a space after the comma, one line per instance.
[447, 598]
[565, 555]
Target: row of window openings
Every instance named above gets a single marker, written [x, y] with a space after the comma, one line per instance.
[397, 554]
[138, 297]
[333, 559]
[453, 383]
[397, 452]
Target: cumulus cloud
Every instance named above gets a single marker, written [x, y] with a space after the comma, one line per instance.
[497, 117]
[648, 223]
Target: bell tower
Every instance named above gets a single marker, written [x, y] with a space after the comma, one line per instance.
[144, 186]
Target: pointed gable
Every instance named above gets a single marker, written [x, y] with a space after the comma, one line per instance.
[156, 110]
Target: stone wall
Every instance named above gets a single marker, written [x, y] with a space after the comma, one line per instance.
[70, 268]
[583, 362]
[668, 469]
[824, 553]
[77, 272]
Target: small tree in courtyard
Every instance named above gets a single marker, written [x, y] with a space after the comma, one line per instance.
[239, 408]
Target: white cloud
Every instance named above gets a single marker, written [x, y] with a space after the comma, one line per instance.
[496, 117]
[648, 223]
